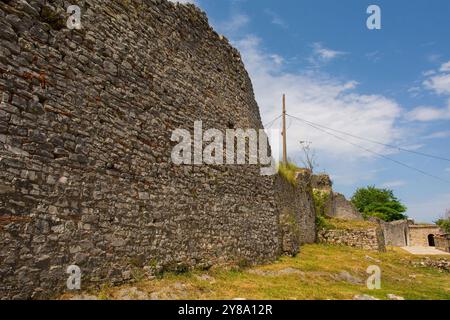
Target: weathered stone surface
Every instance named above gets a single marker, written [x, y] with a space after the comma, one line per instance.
[344, 209]
[443, 242]
[441, 264]
[422, 235]
[336, 206]
[367, 239]
[297, 212]
[85, 134]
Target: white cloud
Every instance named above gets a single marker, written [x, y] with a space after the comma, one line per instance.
[445, 67]
[428, 113]
[415, 91]
[276, 19]
[322, 54]
[393, 184]
[236, 23]
[438, 135]
[413, 147]
[440, 84]
[321, 99]
[429, 73]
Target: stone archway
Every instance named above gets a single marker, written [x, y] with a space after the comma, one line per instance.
[431, 241]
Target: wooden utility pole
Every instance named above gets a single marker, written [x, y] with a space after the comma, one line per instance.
[285, 161]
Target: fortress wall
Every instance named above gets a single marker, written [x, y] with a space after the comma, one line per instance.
[366, 239]
[85, 127]
[297, 212]
[396, 233]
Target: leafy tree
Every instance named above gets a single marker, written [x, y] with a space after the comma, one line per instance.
[380, 203]
[444, 223]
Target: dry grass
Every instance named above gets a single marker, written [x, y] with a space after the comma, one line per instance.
[289, 172]
[312, 275]
[349, 224]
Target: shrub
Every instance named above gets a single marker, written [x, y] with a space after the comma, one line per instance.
[444, 224]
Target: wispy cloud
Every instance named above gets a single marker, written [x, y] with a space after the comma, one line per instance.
[434, 57]
[374, 56]
[438, 135]
[415, 91]
[321, 54]
[276, 19]
[237, 22]
[440, 82]
[445, 67]
[429, 113]
[322, 99]
[393, 184]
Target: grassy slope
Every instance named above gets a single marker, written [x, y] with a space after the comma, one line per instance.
[317, 267]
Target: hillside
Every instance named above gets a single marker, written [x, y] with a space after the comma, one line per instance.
[319, 272]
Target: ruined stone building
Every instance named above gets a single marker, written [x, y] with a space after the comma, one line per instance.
[86, 176]
[337, 206]
[406, 233]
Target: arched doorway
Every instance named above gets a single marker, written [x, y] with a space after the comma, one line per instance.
[431, 240]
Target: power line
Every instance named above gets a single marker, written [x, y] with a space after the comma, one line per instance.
[374, 141]
[377, 154]
[271, 123]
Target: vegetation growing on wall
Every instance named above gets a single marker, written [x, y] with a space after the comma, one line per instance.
[379, 203]
[320, 199]
[288, 171]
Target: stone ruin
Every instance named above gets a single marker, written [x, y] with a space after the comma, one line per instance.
[337, 206]
[85, 146]
[406, 233]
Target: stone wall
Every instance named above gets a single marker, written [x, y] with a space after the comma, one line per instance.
[344, 209]
[297, 213]
[367, 239]
[396, 233]
[336, 205]
[443, 242]
[85, 127]
[322, 182]
[419, 233]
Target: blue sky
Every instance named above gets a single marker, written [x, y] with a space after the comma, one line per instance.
[391, 85]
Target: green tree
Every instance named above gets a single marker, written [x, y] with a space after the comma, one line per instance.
[444, 222]
[380, 203]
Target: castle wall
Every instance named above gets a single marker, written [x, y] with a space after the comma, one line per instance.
[297, 213]
[443, 242]
[396, 233]
[86, 176]
[336, 205]
[366, 239]
[344, 209]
